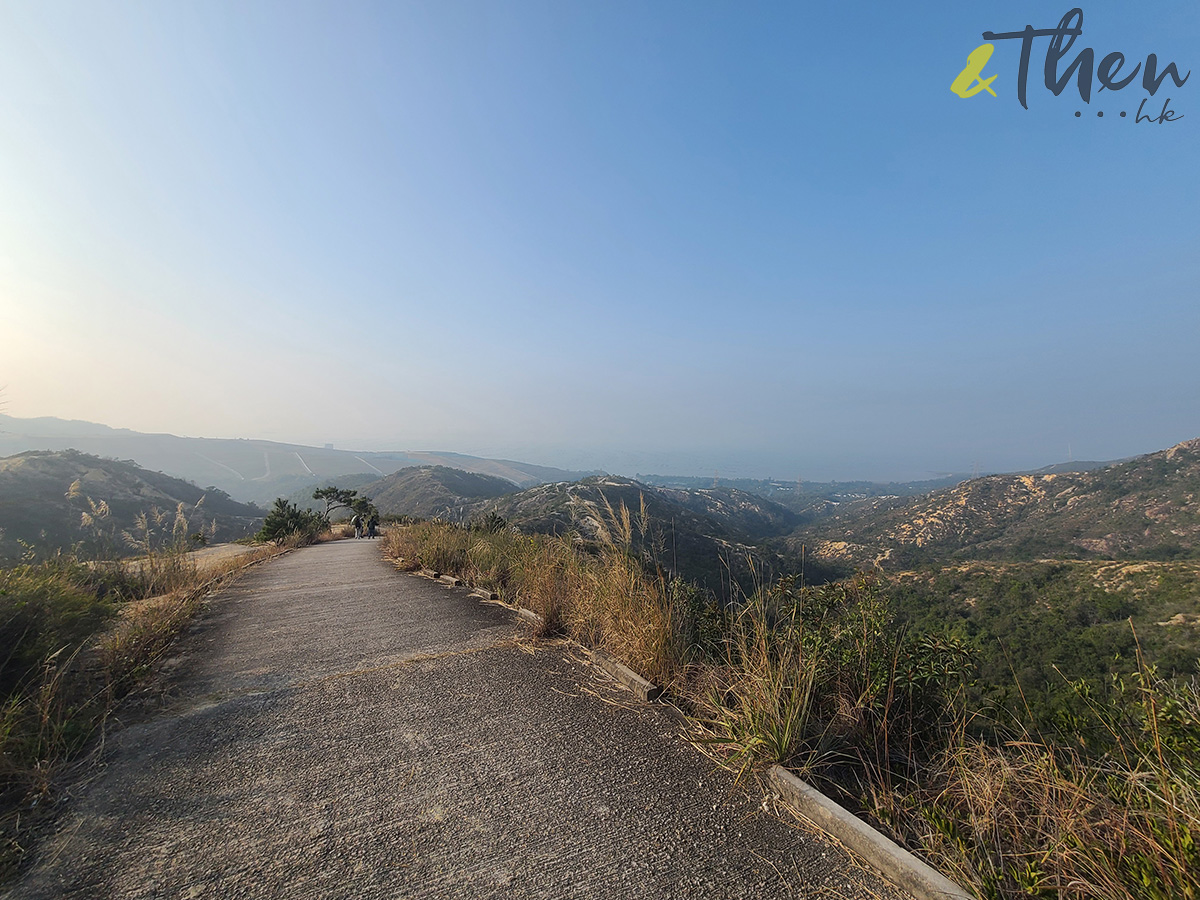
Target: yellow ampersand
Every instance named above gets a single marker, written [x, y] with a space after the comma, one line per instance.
[968, 83]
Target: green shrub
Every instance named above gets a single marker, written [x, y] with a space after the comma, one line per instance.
[286, 522]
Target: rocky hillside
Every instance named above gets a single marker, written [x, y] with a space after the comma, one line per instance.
[809, 500]
[56, 500]
[583, 506]
[1144, 508]
[744, 514]
[434, 492]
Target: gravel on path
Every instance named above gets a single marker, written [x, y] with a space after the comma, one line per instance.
[332, 728]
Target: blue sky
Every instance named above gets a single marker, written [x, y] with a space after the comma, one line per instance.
[764, 239]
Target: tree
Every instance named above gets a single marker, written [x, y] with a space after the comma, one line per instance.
[286, 519]
[335, 498]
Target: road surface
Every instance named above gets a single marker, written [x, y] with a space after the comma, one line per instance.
[333, 728]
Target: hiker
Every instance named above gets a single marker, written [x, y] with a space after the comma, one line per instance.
[372, 524]
[357, 523]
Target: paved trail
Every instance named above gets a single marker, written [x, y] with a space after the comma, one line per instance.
[333, 728]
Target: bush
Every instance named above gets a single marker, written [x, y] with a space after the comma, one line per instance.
[815, 677]
[287, 523]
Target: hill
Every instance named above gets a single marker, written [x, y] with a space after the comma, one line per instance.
[248, 470]
[701, 534]
[1145, 508]
[810, 500]
[433, 492]
[44, 497]
[1047, 576]
[705, 535]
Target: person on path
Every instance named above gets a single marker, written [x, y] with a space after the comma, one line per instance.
[372, 524]
[357, 523]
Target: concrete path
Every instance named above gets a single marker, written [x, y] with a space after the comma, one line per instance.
[333, 728]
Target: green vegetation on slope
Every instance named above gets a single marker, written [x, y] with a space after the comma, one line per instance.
[1035, 628]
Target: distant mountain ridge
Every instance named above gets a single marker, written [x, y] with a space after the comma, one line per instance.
[249, 470]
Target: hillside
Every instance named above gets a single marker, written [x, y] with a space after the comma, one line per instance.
[809, 500]
[1045, 622]
[44, 498]
[1146, 508]
[248, 470]
[433, 492]
[703, 535]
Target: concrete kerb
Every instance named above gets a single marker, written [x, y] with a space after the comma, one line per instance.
[530, 615]
[888, 858]
[626, 676]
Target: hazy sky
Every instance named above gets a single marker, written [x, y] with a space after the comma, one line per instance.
[764, 238]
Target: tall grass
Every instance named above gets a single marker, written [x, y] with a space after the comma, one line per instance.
[1030, 817]
[819, 679]
[600, 593]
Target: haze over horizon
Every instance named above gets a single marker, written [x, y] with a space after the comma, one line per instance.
[661, 238]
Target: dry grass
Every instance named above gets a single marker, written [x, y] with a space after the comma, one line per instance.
[49, 717]
[816, 678]
[1032, 818]
[146, 628]
[601, 596]
[1027, 819]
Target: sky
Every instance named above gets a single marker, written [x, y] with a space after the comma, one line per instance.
[761, 239]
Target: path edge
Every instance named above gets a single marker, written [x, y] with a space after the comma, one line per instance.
[887, 857]
[636, 683]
